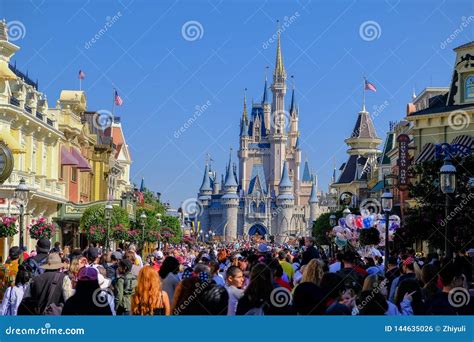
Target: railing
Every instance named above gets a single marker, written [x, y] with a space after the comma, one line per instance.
[14, 101]
[28, 109]
[49, 122]
[39, 115]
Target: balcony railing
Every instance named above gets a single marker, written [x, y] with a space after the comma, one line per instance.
[49, 122]
[14, 101]
[39, 116]
[28, 109]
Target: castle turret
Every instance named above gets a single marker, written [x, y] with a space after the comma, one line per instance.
[285, 203]
[266, 106]
[313, 202]
[230, 203]
[278, 121]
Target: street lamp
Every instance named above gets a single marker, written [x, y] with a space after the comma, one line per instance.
[21, 195]
[346, 212]
[447, 181]
[387, 205]
[142, 223]
[108, 217]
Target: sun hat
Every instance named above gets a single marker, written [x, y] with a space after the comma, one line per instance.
[54, 262]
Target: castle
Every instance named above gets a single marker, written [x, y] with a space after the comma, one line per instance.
[267, 196]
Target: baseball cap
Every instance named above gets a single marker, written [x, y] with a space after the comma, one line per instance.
[87, 274]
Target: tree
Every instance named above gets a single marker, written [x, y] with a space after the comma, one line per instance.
[427, 221]
[173, 224]
[94, 218]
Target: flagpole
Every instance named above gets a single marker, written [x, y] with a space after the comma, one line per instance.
[363, 94]
[113, 102]
[80, 83]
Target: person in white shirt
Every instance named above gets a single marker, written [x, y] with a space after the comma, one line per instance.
[14, 294]
[235, 280]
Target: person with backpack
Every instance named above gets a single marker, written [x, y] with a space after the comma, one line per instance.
[33, 263]
[124, 288]
[48, 291]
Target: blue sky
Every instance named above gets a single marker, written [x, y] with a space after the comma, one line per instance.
[163, 74]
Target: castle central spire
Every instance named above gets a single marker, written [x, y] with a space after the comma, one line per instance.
[280, 72]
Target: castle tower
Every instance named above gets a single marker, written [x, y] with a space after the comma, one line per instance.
[285, 203]
[313, 203]
[204, 197]
[244, 145]
[278, 120]
[230, 203]
[266, 106]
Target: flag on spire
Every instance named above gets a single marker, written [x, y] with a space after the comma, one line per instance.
[81, 75]
[118, 99]
[370, 86]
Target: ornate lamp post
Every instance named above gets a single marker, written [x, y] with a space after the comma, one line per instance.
[158, 219]
[346, 212]
[447, 181]
[387, 204]
[21, 195]
[108, 217]
[142, 223]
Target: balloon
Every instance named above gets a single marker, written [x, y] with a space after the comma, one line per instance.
[341, 242]
[364, 212]
[350, 221]
[337, 229]
[347, 233]
[342, 222]
[394, 222]
[358, 222]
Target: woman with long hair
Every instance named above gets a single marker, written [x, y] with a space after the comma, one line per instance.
[169, 276]
[257, 296]
[313, 272]
[149, 298]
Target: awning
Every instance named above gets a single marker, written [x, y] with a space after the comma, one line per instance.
[67, 158]
[12, 143]
[378, 186]
[426, 154]
[83, 165]
[465, 145]
[5, 72]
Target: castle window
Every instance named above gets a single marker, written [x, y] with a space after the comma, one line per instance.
[253, 207]
[469, 87]
[261, 208]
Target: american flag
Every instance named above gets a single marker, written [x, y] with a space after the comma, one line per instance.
[118, 99]
[81, 75]
[370, 86]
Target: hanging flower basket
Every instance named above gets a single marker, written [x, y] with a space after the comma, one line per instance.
[119, 233]
[8, 226]
[41, 229]
[95, 233]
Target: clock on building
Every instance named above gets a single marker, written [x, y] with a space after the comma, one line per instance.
[6, 162]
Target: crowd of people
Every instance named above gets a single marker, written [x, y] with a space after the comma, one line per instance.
[238, 278]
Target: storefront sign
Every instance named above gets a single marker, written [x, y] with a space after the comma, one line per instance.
[403, 160]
